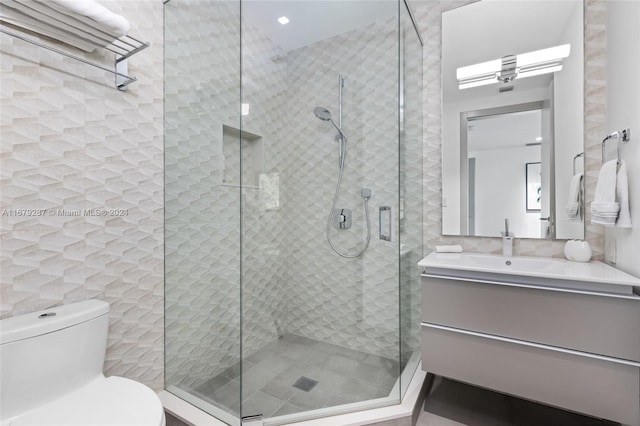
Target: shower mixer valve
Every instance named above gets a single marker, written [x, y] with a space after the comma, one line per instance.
[342, 218]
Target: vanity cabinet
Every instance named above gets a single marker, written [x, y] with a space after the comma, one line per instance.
[577, 350]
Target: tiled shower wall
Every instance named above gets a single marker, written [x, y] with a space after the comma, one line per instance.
[71, 141]
[347, 302]
[352, 302]
[428, 14]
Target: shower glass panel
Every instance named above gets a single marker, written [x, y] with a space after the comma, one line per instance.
[202, 204]
[285, 146]
[320, 327]
[410, 195]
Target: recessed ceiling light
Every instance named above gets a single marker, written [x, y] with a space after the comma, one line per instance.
[539, 138]
[283, 20]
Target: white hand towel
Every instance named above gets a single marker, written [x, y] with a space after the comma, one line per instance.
[604, 203]
[575, 198]
[622, 197]
[449, 249]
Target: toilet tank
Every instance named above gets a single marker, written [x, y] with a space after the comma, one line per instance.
[45, 355]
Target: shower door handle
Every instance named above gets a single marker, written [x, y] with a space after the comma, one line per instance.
[385, 218]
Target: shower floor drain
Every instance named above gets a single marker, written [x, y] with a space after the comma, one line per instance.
[305, 384]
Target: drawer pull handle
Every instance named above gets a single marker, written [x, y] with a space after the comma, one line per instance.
[533, 286]
[532, 344]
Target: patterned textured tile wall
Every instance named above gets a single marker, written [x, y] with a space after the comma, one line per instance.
[428, 14]
[69, 141]
[347, 302]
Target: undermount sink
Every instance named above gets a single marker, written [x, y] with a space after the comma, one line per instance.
[539, 271]
[514, 263]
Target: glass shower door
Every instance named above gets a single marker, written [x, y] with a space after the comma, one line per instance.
[202, 204]
[320, 326]
[410, 194]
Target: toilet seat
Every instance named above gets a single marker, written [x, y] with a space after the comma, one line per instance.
[114, 401]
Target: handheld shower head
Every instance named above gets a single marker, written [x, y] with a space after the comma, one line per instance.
[324, 115]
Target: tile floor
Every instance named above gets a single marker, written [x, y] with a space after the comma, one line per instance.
[456, 404]
[343, 375]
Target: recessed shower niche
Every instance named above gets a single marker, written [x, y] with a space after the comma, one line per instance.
[252, 157]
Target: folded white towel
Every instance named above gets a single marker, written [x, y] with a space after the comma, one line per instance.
[449, 249]
[574, 212]
[604, 202]
[53, 22]
[622, 197]
[603, 214]
[94, 14]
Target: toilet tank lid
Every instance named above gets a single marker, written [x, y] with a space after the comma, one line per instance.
[42, 322]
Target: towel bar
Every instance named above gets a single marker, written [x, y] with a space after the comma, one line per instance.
[622, 136]
[575, 157]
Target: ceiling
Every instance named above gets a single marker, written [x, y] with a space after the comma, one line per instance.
[314, 20]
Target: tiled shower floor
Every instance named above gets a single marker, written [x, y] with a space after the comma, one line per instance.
[343, 375]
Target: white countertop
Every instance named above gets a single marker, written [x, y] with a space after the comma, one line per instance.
[550, 268]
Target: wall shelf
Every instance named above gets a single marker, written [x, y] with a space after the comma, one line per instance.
[74, 33]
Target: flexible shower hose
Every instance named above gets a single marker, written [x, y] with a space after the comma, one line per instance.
[333, 206]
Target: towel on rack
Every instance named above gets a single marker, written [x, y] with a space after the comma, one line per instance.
[93, 14]
[449, 249]
[610, 206]
[604, 209]
[574, 204]
[622, 196]
[53, 20]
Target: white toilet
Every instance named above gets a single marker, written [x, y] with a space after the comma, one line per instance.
[51, 372]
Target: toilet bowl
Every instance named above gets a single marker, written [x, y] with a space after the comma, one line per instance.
[51, 372]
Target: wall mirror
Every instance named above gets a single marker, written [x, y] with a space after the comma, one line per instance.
[512, 76]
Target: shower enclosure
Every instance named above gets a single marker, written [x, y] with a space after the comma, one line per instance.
[262, 316]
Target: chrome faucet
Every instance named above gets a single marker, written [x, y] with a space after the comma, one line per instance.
[507, 240]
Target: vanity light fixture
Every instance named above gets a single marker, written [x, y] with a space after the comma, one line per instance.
[283, 20]
[511, 67]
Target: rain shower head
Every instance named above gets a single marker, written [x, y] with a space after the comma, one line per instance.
[324, 115]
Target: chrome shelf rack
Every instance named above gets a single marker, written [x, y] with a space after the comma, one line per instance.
[123, 47]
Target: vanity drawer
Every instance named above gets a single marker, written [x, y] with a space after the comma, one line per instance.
[596, 387]
[589, 323]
